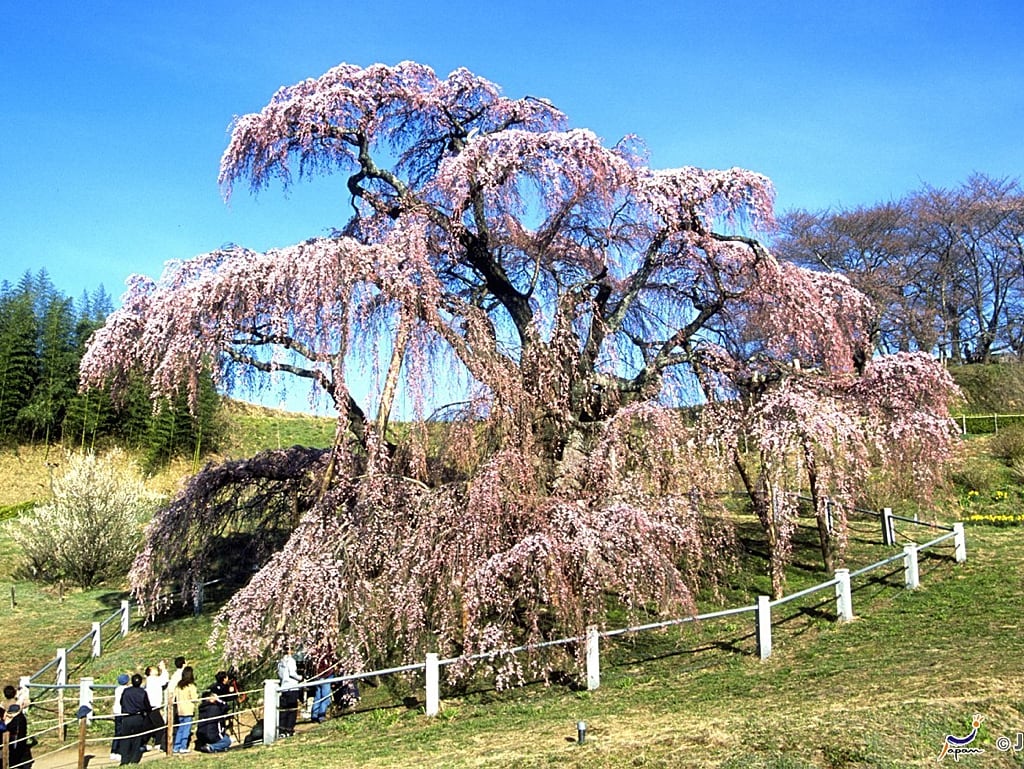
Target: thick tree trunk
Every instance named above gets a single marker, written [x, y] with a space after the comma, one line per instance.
[825, 539]
[762, 501]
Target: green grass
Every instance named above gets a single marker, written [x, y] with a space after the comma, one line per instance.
[881, 691]
[995, 388]
[254, 428]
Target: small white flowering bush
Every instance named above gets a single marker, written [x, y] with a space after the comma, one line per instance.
[92, 528]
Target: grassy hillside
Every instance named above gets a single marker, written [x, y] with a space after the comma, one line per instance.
[996, 388]
[882, 691]
[253, 428]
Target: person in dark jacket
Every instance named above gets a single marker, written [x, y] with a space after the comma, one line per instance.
[20, 753]
[227, 695]
[211, 736]
[134, 711]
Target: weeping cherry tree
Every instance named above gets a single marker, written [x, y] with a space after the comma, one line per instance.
[540, 301]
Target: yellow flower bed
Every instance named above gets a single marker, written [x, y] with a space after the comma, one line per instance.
[995, 519]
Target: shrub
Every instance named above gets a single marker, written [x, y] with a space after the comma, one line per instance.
[91, 530]
[1008, 443]
[978, 475]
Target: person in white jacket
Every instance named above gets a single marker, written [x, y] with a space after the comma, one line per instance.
[156, 727]
[288, 675]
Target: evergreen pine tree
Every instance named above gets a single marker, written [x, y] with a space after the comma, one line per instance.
[18, 362]
[57, 378]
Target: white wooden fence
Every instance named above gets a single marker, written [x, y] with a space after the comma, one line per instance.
[984, 424]
[840, 583]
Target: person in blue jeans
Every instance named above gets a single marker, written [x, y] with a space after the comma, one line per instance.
[211, 736]
[321, 692]
[185, 696]
[321, 699]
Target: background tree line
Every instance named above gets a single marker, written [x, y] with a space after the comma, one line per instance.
[43, 334]
[945, 267]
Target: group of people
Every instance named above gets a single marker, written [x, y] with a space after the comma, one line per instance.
[15, 724]
[311, 671]
[139, 702]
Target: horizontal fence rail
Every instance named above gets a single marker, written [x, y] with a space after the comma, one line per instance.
[985, 424]
[840, 583]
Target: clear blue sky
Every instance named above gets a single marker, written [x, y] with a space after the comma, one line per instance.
[115, 114]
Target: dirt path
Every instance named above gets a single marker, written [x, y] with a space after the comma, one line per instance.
[97, 751]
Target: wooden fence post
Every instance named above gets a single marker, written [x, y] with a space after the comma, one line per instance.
[764, 627]
[593, 651]
[270, 695]
[5, 756]
[433, 676]
[126, 617]
[62, 681]
[888, 528]
[83, 729]
[959, 542]
[911, 573]
[168, 722]
[844, 596]
[84, 709]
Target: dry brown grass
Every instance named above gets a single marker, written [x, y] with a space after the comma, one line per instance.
[27, 472]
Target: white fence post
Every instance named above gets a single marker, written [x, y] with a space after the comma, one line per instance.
[433, 675]
[888, 528]
[270, 695]
[960, 542]
[764, 626]
[96, 639]
[844, 596]
[85, 694]
[593, 658]
[126, 617]
[911, 573]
